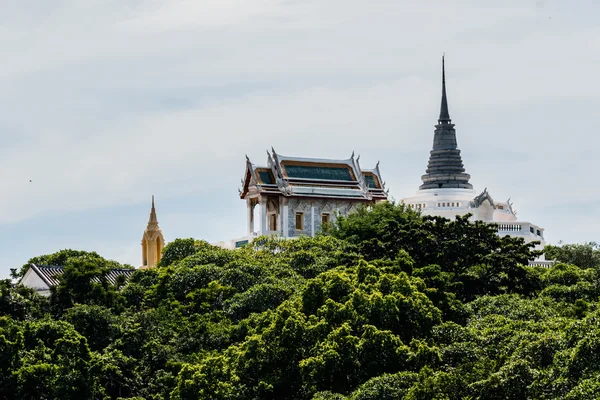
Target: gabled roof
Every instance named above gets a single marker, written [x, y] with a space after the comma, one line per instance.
[50, 274]
[312, 177]
[373, 181]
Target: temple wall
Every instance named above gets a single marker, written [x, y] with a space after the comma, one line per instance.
[313, 210]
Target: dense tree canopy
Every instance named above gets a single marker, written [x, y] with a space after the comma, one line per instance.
[586, 255]
[386, 304]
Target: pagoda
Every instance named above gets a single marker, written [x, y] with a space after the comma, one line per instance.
[447, 192]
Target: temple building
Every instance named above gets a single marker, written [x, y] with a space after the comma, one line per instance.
[153, 241]
[293, 196]
[446, 190]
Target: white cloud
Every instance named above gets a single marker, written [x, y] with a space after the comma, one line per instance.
[105, 102]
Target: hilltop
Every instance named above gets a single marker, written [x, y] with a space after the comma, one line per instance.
[385, 304]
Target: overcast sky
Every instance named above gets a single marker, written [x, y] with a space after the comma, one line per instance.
[106, 102]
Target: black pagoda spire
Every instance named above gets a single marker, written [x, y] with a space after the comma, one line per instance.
[445, 168]
[444, 114]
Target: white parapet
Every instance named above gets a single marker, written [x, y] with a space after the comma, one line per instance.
[237, 242]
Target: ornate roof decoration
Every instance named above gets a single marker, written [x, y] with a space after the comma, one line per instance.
[480, 198]
[510, 208]
[152, 231]
[445, 168]
[313, 177]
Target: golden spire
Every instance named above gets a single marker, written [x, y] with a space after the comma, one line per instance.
[153, 221]
[153, 241]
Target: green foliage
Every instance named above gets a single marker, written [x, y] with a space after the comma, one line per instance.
[63, 257]
[473, 260]
[55, 363]
[97, 323]
[386, 304]
[20, 302]
[386, 387]
[179, 249]
[84, 281]
[586, 255]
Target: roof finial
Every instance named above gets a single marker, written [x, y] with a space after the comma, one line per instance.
[444, 114]
[153, 220]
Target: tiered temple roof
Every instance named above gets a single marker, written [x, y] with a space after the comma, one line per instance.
[313, 177]
[445, 168]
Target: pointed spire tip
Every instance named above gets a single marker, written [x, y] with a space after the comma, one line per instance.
[444, 114]
[153, 219]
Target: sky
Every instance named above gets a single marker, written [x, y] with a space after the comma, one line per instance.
[104, 103]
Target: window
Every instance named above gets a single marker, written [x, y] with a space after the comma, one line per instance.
[452, 204]
[500, 207]
[273, 222]
[324, 221]
[457, 204]
[539, 233]
[299, 221]
[531, 229]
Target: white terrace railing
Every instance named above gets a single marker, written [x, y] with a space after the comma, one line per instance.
[510, 227]
[542, 263]
[520, 228]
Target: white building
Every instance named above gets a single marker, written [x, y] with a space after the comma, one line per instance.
[446, 190]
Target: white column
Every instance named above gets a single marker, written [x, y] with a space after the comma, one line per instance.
[285, 217]
[263, 216]
[312, 220]
[250, 218]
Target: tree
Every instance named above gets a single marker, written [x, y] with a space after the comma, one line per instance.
[179, 249]
[585, 255]
[387, 304]
[20, 302]
[97, 323]
[11, 350]
[55, 363]
[476, 258]
[84, 281]
[62, 257]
